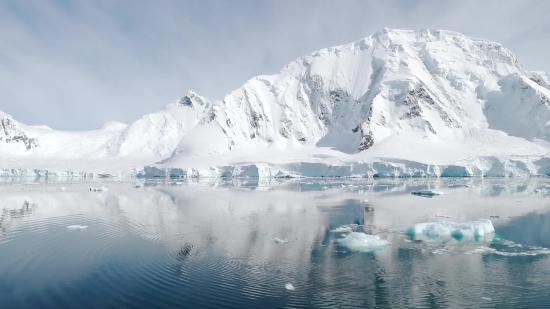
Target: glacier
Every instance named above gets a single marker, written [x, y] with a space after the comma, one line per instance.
[398, 103]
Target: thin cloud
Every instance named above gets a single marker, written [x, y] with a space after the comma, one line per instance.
[77, 64]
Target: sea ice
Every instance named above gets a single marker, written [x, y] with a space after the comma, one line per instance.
[362, 242]
[365, 201]
[468, 230]
[77, 227]
[280, 241]
[289, 287]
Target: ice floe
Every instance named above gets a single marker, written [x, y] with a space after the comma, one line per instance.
[362, 242]
[289, 287]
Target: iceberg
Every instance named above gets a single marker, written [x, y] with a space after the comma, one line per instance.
[363, 242]
[289, 287]
[444, 230]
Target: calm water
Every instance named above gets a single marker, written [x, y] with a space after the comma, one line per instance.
[210, 245]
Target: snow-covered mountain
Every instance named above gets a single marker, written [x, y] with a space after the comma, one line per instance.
[431, 97]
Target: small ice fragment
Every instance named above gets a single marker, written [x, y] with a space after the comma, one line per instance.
[495, 217]
[138, 186]
[233, 240]
[443, 216]
[280, 241]
[363, 242]
[77, 227]
[365, 201]
[426, 193]
[486, 298]
[342, 229]
[289, 287]
[62, 188]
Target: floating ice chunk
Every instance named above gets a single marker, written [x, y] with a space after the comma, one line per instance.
[362, 242]
[365, 201]
[138, 186]
[469, 230]
[443, 216]
[77, 227]
[62, 188]
[426, 193]
[486, 298]
[280, 241]
[289, 287]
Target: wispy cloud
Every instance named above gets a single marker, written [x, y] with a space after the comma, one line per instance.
[76, 64]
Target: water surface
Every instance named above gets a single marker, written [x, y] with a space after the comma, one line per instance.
[210, 244]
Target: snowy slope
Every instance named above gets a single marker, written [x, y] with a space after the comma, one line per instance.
[429, 97]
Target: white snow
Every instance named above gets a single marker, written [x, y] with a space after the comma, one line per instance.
[289, 287]
[77, 227]
[362, 242]
[397, 103]
[468, 230]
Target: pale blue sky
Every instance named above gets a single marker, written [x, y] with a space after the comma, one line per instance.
[73, 64]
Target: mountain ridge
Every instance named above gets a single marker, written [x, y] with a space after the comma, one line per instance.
[433, 96]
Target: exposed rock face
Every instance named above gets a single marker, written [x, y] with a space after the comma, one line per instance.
[10, 133]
